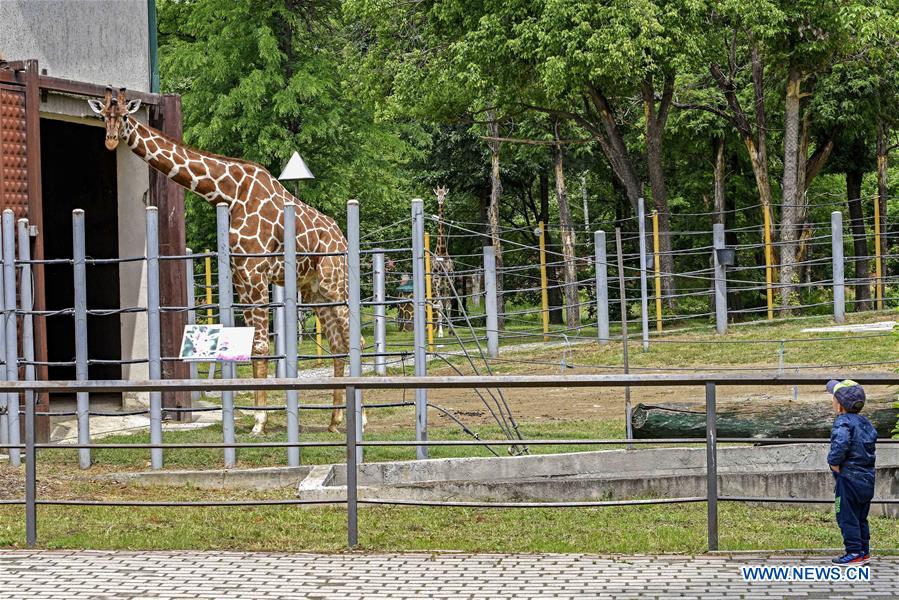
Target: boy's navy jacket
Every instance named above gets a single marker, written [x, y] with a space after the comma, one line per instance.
[852, 443]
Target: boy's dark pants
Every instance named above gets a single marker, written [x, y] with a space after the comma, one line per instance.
[853, 500]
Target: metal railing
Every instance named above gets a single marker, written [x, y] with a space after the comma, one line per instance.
[354, 441]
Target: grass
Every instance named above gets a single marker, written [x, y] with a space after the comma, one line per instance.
[645, 529]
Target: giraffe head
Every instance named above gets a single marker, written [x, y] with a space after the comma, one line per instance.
[114, 109]
[441, 192]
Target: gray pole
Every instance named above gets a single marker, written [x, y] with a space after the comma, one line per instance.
[5, 399]
[153, 334]
[278, 326]
[839, 287]
[289, 318]
[226, 318]
[26, 298]
[10, 326]
[30, 473]
[644, 294]
[711, 452]
[352, 492]
[602, 287]
[191, 314]
[720, 280]
[379, 277]
[354, 284]
[418, 324]
[79, 276]
[628, 427]
[490, 301]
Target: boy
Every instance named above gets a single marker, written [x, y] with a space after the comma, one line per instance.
[851, 459]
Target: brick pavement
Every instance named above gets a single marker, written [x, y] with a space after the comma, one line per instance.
[77, 575]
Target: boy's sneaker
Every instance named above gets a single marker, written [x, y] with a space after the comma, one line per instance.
[852, 558]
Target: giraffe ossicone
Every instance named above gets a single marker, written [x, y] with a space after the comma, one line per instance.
[256, 207]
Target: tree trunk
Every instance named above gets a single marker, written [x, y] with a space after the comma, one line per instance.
[572, 304]
[859, 240]
[554, 293]
[719, 181]
[613, 146]
[789, 222]
[496, 194]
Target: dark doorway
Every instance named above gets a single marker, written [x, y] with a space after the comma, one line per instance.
[78, 172]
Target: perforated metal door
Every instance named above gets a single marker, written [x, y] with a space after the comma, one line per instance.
[13, 151]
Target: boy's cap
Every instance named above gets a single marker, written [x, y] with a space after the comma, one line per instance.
[848, 393]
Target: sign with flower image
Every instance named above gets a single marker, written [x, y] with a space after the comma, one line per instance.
[213, 342]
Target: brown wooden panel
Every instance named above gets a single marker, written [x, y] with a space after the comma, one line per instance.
[13, 151]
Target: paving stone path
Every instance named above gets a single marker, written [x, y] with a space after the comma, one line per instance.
[77, 575]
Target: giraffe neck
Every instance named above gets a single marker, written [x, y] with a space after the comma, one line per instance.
[190, 168]
[441, 249]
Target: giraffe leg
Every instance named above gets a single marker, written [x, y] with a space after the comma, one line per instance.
[257, 318]
[336, 327]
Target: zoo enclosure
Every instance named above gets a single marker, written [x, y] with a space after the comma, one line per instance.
[352, 443]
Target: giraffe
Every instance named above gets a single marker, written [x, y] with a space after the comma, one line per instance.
[442, 271]
[255, 203]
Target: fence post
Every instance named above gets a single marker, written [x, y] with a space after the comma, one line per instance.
[658, 275]
[11, 329]
[602, 287]
[226, 318]
[429, 293]
[79, 276]
[26, 299]
[289, 318]
[490, 301]
[354, 283]
[379, 277]
[720, 280]
[711, 452]
[191, 313]
[318, 338]
[544, 283]
[878, 257]
[278, 326]
[619, 247]
[418, 324]
[769, 262]
[30, 472]
[839, 286]
[644, 293]
[5, 399]
[153, 333]
[352, 506]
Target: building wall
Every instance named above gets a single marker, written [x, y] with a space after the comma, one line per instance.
[95, 41]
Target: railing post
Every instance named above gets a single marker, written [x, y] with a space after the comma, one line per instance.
[490, 301]
[226, 318]
[644, 293]
[5, 399]
[289, 319]
[429, 294]
[711, 451]
[26, 300]
[153, 333]
[544, 283]
[278, 327]
[720, 280]
[839, 286]
[11, 329]
[354, 285]
[30, 473]
[656, 259]
[352, 491]
[79, 276]
[602, 287]
[628, 425]
[418, 324]
[379, 279]
[191, 313]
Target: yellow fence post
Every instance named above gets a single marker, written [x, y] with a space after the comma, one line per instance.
[207, 265]
[878, 259]
[318, 337]
[544, 294]
[429, 310]
[658, 278]
[769, 262]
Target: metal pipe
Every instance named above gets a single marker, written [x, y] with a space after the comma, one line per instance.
[226, 318]
[628, 426]
[839, 287]
[878, 257]
[354, 285]
[6, 400]
[26, 298]
[11, 329]
[720, 280]
[79, 277]
[711, 452]
[544, 284]
[602, 286]
[769, 261]
[490, 301]
[657, 269]
[418, 324]
[154, 352]
[30, 473]
[352, 490]
[429, 293]
[379, 278]
[290, 329]
[191, 314]
[278, 325]
[644, 293]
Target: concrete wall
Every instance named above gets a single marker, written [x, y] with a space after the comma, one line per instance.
[95, 41]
